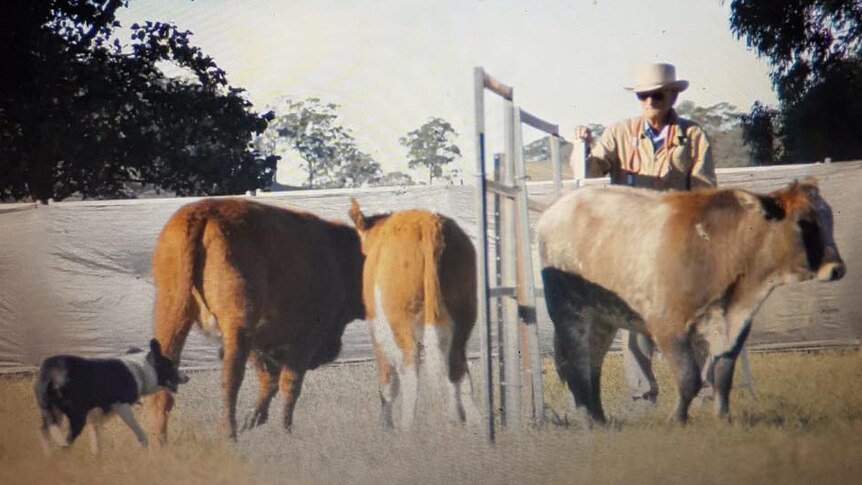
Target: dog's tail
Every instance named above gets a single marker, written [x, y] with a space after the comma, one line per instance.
[52, 376]
[47, 393]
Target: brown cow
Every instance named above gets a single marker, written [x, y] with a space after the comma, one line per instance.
[688, 269]
[419, 288]
[277, 285]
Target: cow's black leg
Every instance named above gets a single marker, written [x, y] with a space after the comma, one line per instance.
[722, 374]
[601, 337]
[572, 340]
[722, 382]
[683, 363]
[290, 384]
[573, 360]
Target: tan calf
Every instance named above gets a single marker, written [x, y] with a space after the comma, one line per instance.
[419, 289]
[277, 286]
[688, 269]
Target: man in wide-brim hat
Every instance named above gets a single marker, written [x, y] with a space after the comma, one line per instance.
[656, 150]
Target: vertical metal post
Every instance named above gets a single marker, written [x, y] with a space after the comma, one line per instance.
[482, 259]
[556, 164]
[532, 359]
[511, 363]
[499, 310]
[747, 381]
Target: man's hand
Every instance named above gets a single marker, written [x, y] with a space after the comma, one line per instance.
[583, 133]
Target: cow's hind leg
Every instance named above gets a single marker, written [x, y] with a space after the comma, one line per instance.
[573, 325]
[408, 377]
[387, 379]
[683, 363]
[396, 345]
[462, 405]
[290, 384]
[580, 355]
[236, 351]
[601, 336]
[267, 381]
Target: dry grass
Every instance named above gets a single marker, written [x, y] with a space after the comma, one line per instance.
[803, 426]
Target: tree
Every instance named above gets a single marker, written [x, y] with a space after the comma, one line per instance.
[84, 114]
[396, 178]
[329, 151]
[761, 132]
[431, 146]
[814, 48]
[723, 125]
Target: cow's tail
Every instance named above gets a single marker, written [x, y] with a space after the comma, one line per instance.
[176, 255]
[432, 245]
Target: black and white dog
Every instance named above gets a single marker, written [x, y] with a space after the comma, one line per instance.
[86, 390]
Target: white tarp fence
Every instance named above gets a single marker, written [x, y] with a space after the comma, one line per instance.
[75, 276]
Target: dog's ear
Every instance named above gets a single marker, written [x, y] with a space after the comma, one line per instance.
[155, 347]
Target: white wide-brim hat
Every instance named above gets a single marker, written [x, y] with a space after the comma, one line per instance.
[652, 77]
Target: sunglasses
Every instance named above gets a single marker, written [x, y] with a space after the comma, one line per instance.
[655, 95]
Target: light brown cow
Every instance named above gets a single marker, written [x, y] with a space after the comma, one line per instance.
[419, 288]
[278, 286]
[688, 269]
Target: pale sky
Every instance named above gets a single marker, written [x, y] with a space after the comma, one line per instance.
[393, 64]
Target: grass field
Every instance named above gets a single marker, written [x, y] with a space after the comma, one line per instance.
[804, 425]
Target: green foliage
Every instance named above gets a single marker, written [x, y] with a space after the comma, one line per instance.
[331, 156]
[431, 146]
[396, 178]
[82, 113]
[721, 122]
[761, 132]
[826, 121]
[814, 48]
[802, 39]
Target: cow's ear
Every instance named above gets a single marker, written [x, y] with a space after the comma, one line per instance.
[766, 205]
[771, 208]
[810, 186]
[356, 215]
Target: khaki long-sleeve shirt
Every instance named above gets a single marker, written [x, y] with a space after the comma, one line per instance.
[626, 152]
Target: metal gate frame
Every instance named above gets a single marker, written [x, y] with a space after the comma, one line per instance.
[520, 365]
